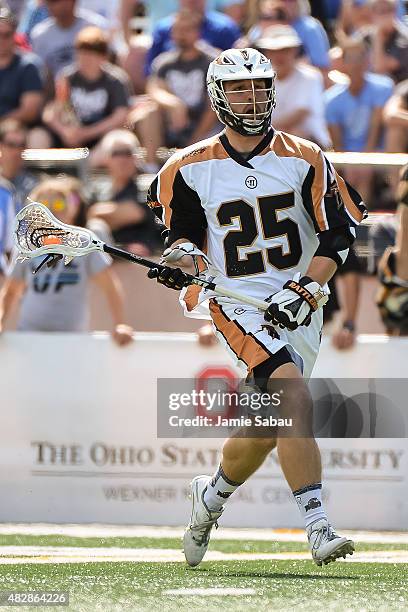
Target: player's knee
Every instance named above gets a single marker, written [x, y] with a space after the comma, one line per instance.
[265, 445]
[294, 397]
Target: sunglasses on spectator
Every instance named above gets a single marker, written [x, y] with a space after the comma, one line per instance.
[122, 153]
[15, 145]
[57, 204]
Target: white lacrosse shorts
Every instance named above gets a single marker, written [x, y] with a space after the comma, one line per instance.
[250, 340]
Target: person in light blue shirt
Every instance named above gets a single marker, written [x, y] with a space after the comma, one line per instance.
[315, 43]
[218, 30]
[311, 32]
[159, 9]
[314, 40]
[354, 111]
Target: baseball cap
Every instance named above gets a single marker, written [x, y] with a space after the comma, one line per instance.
[278, 37]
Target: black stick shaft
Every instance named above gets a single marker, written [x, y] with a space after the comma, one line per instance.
[147, 263]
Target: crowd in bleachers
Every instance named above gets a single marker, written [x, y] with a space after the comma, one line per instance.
[126, 78]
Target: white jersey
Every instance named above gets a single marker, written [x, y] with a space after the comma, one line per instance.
[257, 219]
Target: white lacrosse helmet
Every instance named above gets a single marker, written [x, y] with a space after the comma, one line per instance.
[239, 65]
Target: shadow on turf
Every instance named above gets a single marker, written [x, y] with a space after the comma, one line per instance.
[275, 575]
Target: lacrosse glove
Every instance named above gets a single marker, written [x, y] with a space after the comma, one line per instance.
[295, 304]
[173, 278]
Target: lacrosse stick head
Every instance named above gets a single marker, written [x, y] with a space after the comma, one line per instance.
[38, 232]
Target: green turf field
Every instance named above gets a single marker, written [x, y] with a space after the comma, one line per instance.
[276, 585]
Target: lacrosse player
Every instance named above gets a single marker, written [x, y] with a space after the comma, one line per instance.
[272, 219]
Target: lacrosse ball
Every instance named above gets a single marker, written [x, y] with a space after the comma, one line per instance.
[47, 240]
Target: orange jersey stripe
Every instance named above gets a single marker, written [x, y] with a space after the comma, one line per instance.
[286, 145]
[205, 151]
[348, 202]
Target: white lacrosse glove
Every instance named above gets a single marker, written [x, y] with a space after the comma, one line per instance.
[295, 304]
[174, 254]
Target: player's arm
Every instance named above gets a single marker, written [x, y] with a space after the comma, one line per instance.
[111, 286]
[11, 293]
[181, 212]
[204, 125]
[321, 269]
[335, 208]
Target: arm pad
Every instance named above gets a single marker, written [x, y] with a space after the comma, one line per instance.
[335, 243]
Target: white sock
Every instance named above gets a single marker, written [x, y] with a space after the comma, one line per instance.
[309, 500]
[219, 490]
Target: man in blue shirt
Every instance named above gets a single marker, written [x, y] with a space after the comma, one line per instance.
[311, 33]
[21, 78]
[354, 111]
[315, 43]
[218, 30]
[159, 9]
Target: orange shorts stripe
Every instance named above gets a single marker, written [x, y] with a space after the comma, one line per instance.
[243, 344]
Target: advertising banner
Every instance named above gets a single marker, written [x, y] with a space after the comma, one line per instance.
[79, 438]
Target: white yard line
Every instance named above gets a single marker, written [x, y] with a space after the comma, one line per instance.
[226, 533]
[64, 554]
[227, 591]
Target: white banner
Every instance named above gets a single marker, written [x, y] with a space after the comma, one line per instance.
[78, 437]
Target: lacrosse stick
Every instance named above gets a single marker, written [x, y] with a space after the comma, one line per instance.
[38, 232]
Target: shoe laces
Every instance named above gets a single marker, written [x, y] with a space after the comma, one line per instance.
[319, 533]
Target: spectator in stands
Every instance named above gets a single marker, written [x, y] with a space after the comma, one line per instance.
[178, 84]
[117, 202]
[396, 121]
[13, 141]
[56, 298]
[389, 40]
[21, 78]
[160, 9]
[53, 39]
[310, 31]
[216, 29]
[109, 10]
[315, 44]
[36, 11]
[92, 96]
[7, 212]
[355, 15]
[348, 280]
[270, 12]
[392, 297]
[354, 111]
[299, 88]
